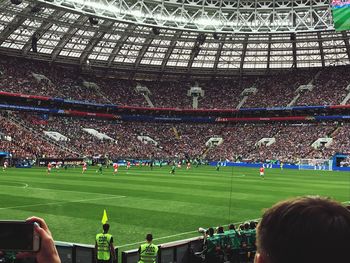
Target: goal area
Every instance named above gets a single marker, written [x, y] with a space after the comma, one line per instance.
[315, 164]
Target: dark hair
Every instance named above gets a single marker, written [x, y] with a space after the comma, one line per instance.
[231, 227]
[305, 230]
[220, 230]
[211, 231]
[149, 237]
[246, 226]
[252, 225]
[105, 227]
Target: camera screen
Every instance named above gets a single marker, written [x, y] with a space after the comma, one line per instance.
[16, 236]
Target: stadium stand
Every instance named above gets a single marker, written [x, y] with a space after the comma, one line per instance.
[164, 140]
[31, 77]
[22, 142]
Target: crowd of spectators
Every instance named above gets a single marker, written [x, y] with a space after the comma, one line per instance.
[277, 90]
[167, 140]
[174, 140]
[240, 142]
[329, 87]
[340, 143]
[22, 143]
[272, 90]
[294, 142]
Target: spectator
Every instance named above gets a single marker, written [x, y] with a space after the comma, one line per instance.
[304, 230]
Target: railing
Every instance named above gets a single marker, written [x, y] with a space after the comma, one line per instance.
[76, 253]
[178, 251]
[172, 252]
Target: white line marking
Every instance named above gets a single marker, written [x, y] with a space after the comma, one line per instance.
[27, 186]
[65, 202]
[179, 234]
[21, 185]
[69, 191]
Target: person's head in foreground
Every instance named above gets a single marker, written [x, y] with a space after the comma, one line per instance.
[304, 230]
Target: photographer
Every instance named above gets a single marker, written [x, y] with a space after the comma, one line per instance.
[212, 247]
[234, 240]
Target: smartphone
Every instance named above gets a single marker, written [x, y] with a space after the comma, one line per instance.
[18, 236]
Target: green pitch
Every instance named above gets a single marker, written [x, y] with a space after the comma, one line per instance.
[341, 18]
[142, 201]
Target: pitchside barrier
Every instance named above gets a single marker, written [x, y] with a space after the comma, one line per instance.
[76, 253]
[172, 252]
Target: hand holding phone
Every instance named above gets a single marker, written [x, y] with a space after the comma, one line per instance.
[18, 236]
[48, 252]
[31, 238]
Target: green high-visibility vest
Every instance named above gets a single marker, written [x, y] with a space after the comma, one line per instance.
[148, 253]
[235, 239]
[103, 242]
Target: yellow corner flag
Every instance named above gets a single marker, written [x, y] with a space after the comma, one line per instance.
[104, 217]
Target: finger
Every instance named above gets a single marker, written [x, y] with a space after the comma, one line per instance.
[42, 232]
[39, 220]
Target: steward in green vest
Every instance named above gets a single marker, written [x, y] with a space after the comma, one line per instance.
[104, 249]
[148, 251]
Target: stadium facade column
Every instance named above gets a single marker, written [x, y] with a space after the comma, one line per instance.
[319, 40]
[244, 51]
[218, 53]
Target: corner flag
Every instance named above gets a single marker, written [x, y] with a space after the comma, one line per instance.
[104, 217]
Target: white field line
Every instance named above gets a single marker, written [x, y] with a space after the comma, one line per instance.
[27, 186]
[21, 185]
[179, 234]
[63, 202]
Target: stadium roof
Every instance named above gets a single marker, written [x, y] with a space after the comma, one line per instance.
[177, 36]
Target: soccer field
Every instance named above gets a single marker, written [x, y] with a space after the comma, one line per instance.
[142, 201]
